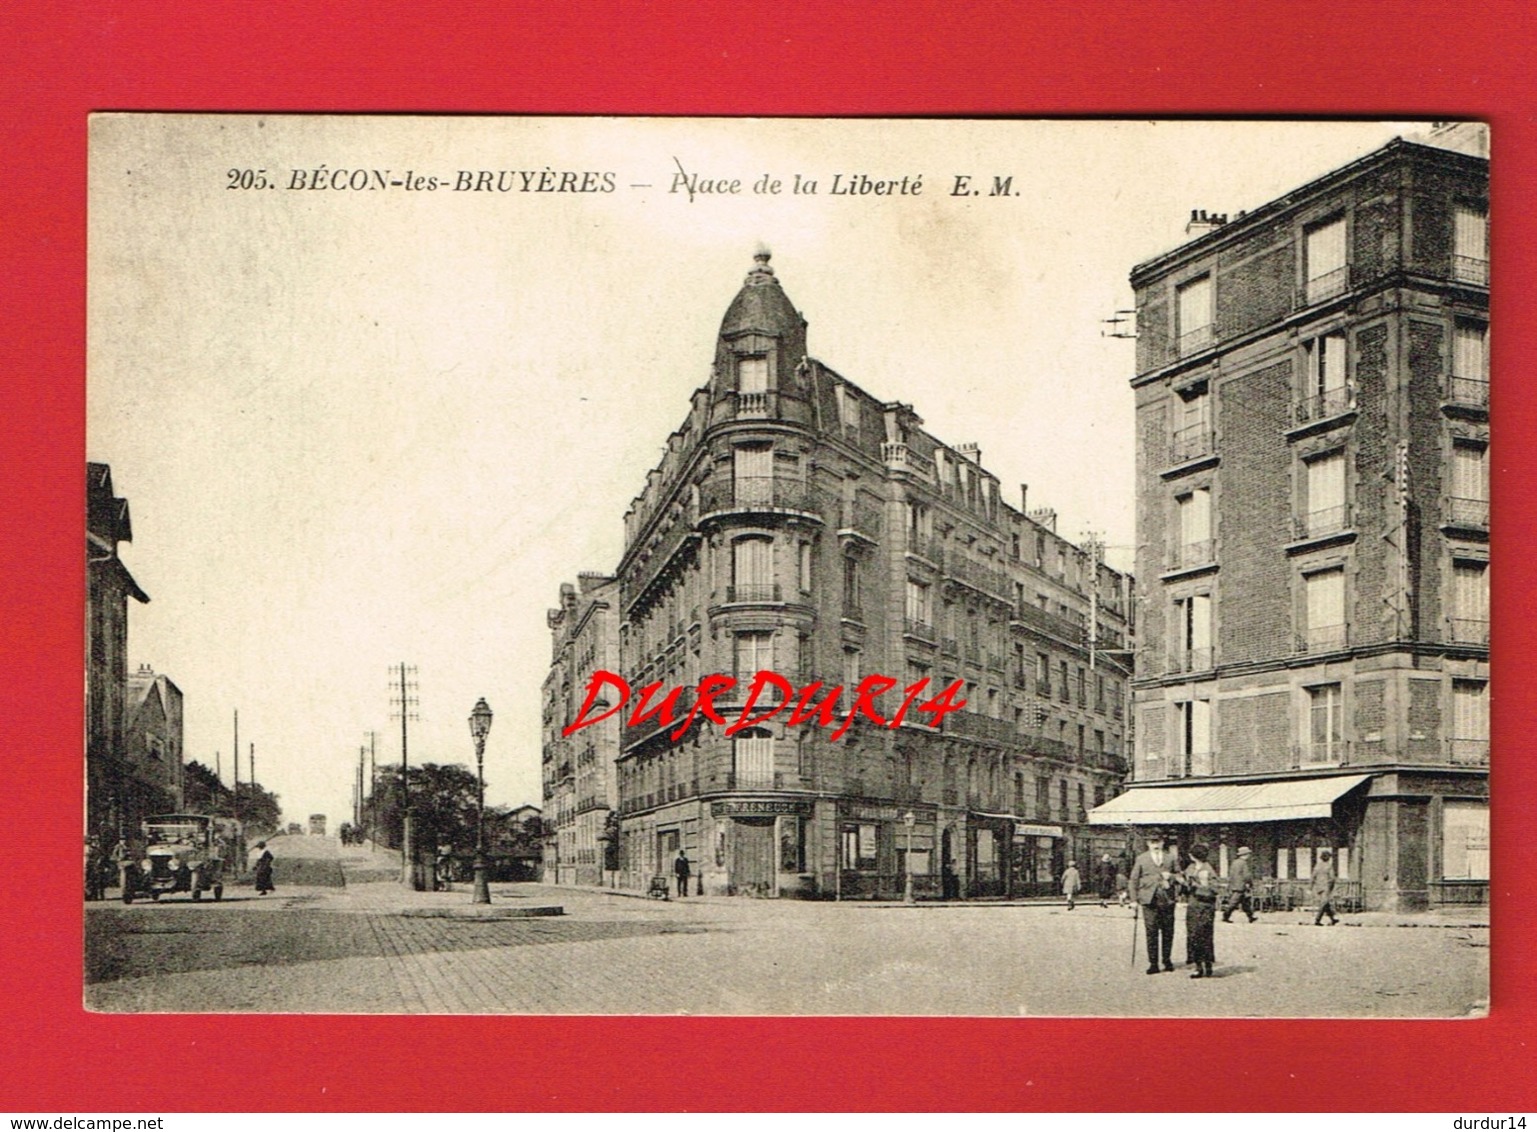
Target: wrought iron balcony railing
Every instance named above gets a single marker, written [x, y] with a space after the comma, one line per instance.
[1195, 339]
[1322, 406]
[753, 592]
[1468, 752]
[1468, 630]
[1201, 552]
[1468, 391]
[1324, 521]
[1323, 638]
[1191, 443]
[1327, 285]
[1465, 512]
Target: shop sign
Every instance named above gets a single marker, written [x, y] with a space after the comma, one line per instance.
[1023, 830]
[749, 807]
[887, 813]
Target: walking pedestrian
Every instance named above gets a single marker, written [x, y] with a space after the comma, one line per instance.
[680, 869]
[1071, 882]
[1201, 913]
[1152, 885]
[1104, 877]
[1240, 887]
[1323, 888]
[263, 868]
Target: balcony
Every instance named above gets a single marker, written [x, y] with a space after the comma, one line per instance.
[1468, 392]
[1470, 269]
[852, 611]
[757, 493]
[754, 405]
[971, 654]
[1327, 286]
[949, 646]
[1063, 628]
[985, 579]
[755, 780]
[919, 630]
[1190, 660]
[1468, 752]
[1189, 555]
[949, 796]
[1468, 631]
[1472, 514]
[993, 661]
[754, 593]
[927, 547]
[1323, 638]
[1191, 443]
[1196, 339]
[1325, 521]
[975, 725]
[1323, 406]
[1321, 752]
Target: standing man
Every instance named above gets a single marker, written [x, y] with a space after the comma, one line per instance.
[680, 869]
[1105, 879]
[1151, 884]
[1071, 883]
[1323, 888]
[1240, 887]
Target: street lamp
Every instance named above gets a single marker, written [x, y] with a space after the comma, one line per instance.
[909, 819]
[480, 725]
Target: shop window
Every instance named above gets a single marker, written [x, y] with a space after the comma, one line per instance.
[792, 844]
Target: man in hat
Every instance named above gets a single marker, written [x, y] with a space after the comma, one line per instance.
[1154, 877]
[1240, 887]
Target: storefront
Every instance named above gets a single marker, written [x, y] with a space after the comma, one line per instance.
[1039, 857]
[760, 846]
[877, 844]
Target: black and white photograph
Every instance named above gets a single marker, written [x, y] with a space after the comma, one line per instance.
[818, 567]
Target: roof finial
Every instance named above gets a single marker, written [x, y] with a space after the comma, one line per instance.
[761, 272]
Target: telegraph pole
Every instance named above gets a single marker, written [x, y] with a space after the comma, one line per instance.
[404, 700]
[237, 767]
[1095, 548]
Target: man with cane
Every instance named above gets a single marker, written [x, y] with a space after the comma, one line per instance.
[1152, 886]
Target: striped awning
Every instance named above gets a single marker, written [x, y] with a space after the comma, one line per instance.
[1227, 803]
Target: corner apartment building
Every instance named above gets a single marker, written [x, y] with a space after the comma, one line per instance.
[800, 525]
[577, 772]
[1312, 399]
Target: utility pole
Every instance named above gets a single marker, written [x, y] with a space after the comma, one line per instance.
[373, 787]
[404, 700]
[1095, 548]
[237, 767]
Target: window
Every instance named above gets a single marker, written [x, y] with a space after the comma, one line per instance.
[752, 755]
[1470, 721]
[1043, 673]
[1325, 744]
[753, 475]
[1193, 302]
[1469, 615]
[1192, 742]
[752, 375]
[1326, 386]
[792, 843]
[1063, 690]
[1470, 363]
[1465, 840]
[919, 608]
[752, 570]
[848, 407]
[1470, 245]
[860, 848]
[1324, 252]
[1192, 424]
[754, 654]
[851, 672]
[1195, 541]
[805, 570]
[851, 586]
[1325, 592]
[1325, 510]
[1468, 503]
[1192, 633]
[1043, 797]
[1063, 796]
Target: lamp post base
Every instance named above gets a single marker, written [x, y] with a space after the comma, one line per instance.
[482, 889]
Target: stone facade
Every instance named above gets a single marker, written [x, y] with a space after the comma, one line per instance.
[799, 525]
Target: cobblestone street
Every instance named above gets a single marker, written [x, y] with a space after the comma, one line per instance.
[371, 946]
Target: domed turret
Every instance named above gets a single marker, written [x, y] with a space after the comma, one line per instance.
[762, 338]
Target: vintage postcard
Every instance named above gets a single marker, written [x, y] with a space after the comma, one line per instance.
[787, 566]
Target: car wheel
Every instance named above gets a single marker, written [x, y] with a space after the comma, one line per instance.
[218, 892]
[197, 894]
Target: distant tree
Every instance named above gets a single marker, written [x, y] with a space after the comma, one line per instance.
[203, 793]
[442, 801]
[258, 810]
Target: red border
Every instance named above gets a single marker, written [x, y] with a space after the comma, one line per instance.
[1155, 58]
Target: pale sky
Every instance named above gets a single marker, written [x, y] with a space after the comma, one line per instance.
[357, 428]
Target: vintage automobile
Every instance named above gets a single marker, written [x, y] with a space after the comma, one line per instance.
[182, 853]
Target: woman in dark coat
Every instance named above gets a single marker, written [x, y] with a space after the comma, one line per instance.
[264, 869]
[1201, 912]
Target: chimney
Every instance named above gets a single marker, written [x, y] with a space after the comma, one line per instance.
[1202, 222]
[1024, 498]
[972, 452]
[1046, 517]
